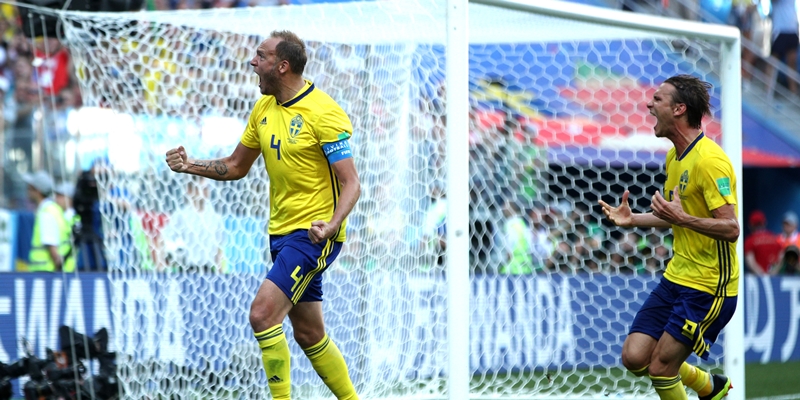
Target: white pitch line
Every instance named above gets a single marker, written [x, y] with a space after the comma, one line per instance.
[795, 396]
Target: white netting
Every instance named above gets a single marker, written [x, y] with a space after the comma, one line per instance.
[557, 121]
[184, 78]
[557, 124]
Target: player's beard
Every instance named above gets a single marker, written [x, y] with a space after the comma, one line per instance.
[658, 130]
[269, 82]
[662, 129]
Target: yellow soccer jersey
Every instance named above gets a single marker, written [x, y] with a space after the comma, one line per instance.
[705, 179]
[303, 187]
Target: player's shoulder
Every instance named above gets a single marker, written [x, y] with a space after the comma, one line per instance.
[264, 102]
[322, 102]
[710, 151]
[708, 145]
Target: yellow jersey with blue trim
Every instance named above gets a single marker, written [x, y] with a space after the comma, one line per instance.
[706, 181]
[291, 136]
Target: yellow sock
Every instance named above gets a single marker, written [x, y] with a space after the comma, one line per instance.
[276, 358]
[327, 360]
[669, 387]
[697, 379]
[640, 372]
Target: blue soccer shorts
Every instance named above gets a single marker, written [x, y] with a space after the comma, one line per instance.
[689, 315]
[298, 264]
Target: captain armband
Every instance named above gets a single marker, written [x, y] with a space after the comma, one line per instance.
[337, 151]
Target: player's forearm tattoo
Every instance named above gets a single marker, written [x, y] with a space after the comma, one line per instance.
[202, 164]
[220, 167]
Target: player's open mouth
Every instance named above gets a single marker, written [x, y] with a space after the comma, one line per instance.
[655, 124]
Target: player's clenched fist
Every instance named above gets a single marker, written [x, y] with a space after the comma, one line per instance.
[177, 159]
[320, 230]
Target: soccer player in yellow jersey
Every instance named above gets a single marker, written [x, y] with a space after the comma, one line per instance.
[303, 135]
[697, 295]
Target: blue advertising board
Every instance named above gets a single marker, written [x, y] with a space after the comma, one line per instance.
[517, 323]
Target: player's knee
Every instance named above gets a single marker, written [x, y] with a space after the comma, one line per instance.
[659, 369]
[633, 361]
[664, 365]
[307, 336]
[257, 319]
[262, 317]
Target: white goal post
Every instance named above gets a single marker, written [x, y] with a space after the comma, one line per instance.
[476, 265]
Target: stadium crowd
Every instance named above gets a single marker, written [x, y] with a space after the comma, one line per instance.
[519, 225]
[35, 75]
[769, 28]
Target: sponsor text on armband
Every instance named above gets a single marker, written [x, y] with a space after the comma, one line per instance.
[337, 151]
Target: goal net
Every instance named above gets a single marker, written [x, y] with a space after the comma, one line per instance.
[558, 120]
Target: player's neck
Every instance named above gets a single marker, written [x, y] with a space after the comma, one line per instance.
[683, 138]
[290, 89]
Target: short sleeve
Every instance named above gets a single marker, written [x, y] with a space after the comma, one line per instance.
[333, 126]
[50, 231]
[718, 182]
[250, 137]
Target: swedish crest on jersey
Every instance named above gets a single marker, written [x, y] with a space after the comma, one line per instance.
[295, 126]
[684, 181]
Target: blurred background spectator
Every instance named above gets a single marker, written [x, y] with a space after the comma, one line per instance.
[789, 264]
[785, 40]
[434, 232]
[51, 247]
[761, 247]
[89, 227]
[742, 14]
[789, 235]
[516, 241]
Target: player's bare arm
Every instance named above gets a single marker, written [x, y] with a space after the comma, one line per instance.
[345, 170]
[724, 225]
[229, 168]
[623, 216]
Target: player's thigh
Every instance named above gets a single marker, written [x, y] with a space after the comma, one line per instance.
[298, 265]
[654, 314]
[648, 326]
[698, 318]
[307, 323]
[269, 307]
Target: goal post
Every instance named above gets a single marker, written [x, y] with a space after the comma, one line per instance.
[477, 265]
[457, 251]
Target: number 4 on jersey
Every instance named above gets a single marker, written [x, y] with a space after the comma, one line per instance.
[276, 146]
